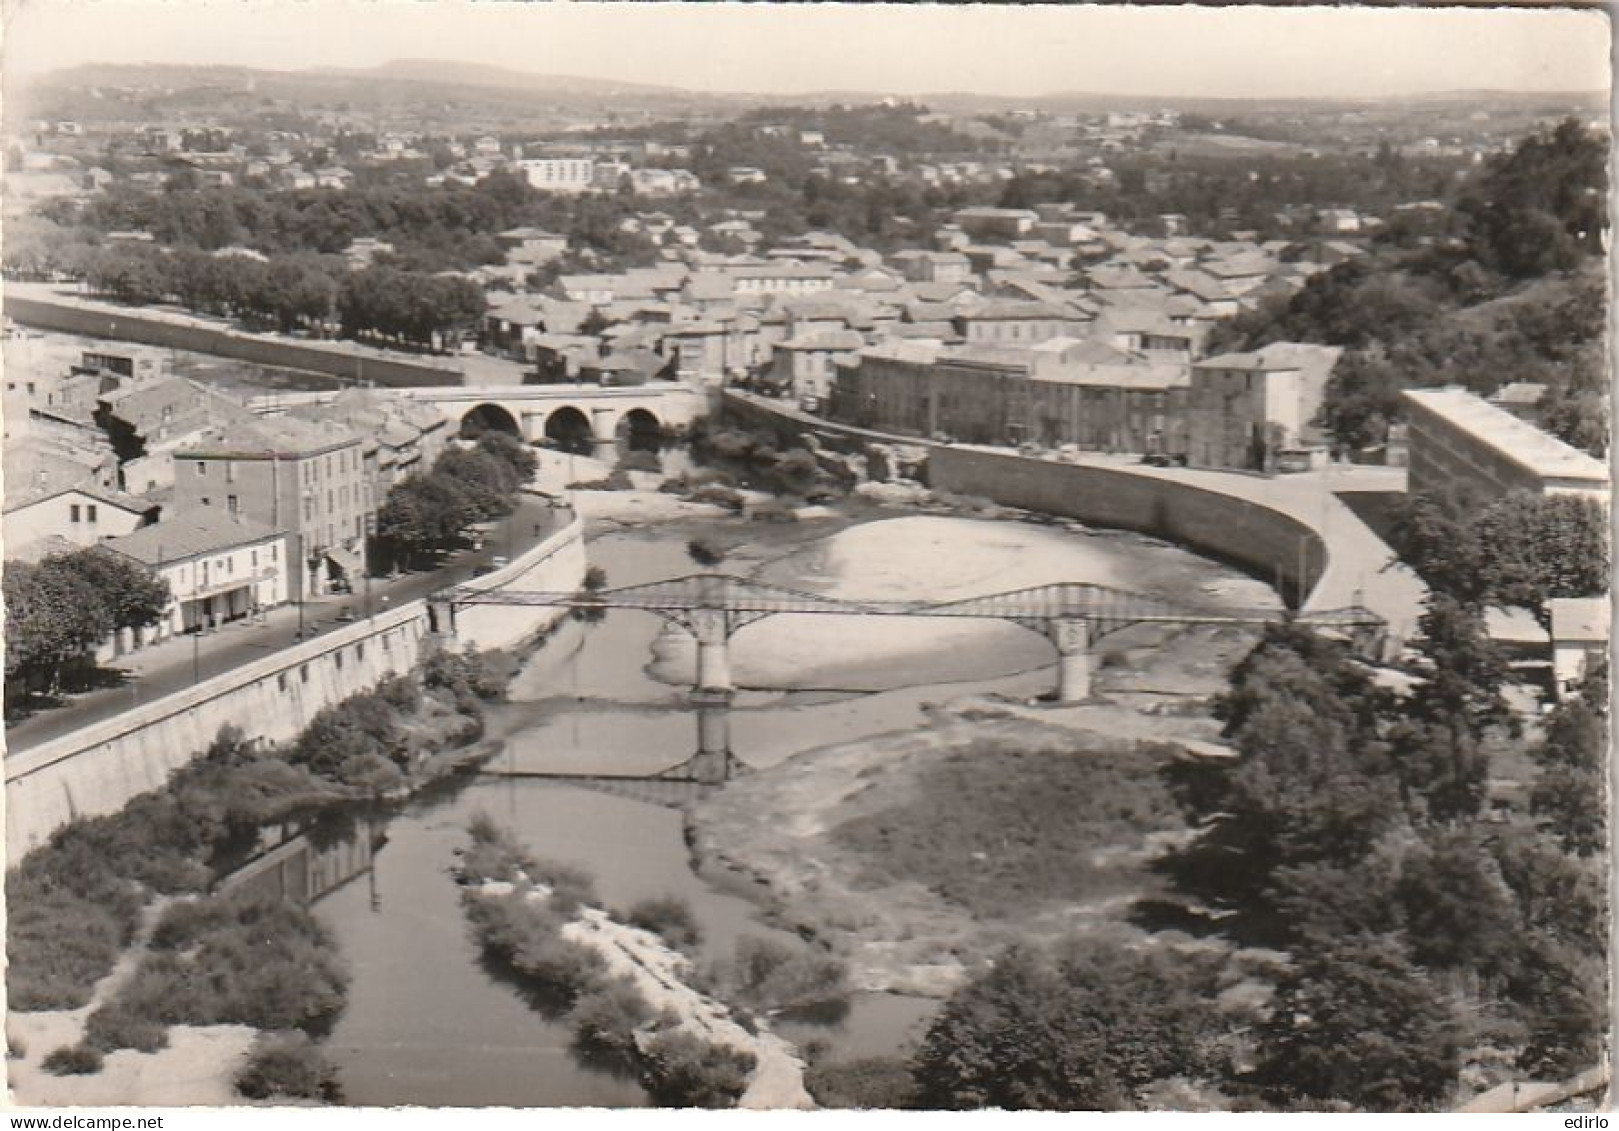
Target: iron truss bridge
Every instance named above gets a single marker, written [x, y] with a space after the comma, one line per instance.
[689, 601]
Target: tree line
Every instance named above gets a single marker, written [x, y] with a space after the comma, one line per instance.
[319, 294]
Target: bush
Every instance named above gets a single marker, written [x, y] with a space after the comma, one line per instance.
[774, 510]
[469, 676]
[617, 480]
[400, 692]
[494, 854]
[679, 1070]
[526, 936]
[705, 552]
[875, 1083]
[607, 1016]
[79, 1060]
[719, 496]
[571, 887]
[669, 917]
[636, 460]
[287, 1065]
[228, 960]
[114, 1027]
[371, 774]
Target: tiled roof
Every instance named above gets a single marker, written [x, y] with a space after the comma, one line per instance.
[188, 535]
[266, 436]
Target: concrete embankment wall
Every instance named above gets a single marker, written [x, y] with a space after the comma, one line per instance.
[1270, 544]
[98, 769]
[132, 325]
[1266, 542]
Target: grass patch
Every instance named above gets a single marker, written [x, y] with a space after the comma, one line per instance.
[1002, 831]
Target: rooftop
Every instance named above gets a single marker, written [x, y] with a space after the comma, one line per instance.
[267, 437]
[1580, 618]
[1540, 452]
[187, 535]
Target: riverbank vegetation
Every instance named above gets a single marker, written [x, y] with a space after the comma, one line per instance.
[1343, 915]
[77, 903]
[627, 995]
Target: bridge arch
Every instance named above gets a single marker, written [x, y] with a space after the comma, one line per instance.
[489, 417]
[640, 430]
[569, 429]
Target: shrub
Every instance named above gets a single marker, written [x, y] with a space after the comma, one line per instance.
[115, 1027]
[468, 675]
[235, 960]
[719, 496]
[874, 1083]
[607, 1016]
[494, 853]
[288, 1065]
[669, 917]
[617, 480]
[79, 1060]
[527, 937]
[595, 579]
[371, 774]
[636, 460]
[770, 975]
[571, 887]
[774, 510]
[705, 551]
[400, 692]
[680, 1070]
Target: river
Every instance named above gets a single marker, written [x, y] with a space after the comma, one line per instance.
[426, 1023]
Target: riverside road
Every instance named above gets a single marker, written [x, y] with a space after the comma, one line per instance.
[180, 662]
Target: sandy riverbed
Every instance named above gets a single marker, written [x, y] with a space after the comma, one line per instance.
[932, 558]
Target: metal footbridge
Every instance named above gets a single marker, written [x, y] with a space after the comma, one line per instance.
[714, 606]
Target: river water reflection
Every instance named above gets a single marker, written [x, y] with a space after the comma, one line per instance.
[426, 1023]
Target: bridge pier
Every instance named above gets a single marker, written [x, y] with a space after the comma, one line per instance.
[1073, 641]
[713, 651]
[603, 433]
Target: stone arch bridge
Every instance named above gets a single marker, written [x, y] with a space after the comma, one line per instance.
[582, 418]
[1072, 615]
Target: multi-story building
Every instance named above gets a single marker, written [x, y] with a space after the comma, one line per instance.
[1245, 410]
[1008, 322]
[218, 568]
[560, 174]
[1465, 450]
[308, 478]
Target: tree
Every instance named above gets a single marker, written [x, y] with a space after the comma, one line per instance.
[1534, 548]
[1312, 783]
[520, 457]
[54, 617]
[486, 481]
[1358, 1023]
[1441, 550]
[1085, 1028]
[1569, 794]
[423, 513]
[133, 596]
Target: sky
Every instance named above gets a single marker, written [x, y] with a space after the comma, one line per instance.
[889, 49]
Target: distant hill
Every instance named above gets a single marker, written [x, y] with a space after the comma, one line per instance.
[449, 72]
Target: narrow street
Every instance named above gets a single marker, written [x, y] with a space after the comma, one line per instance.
[180, 662]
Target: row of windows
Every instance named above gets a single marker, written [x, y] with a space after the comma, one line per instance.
[89, 513]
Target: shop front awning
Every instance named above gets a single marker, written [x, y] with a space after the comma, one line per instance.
[348, 562]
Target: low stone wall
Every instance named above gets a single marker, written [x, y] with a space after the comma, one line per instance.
[1272, 545]
[97, 769]
[131, 324]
